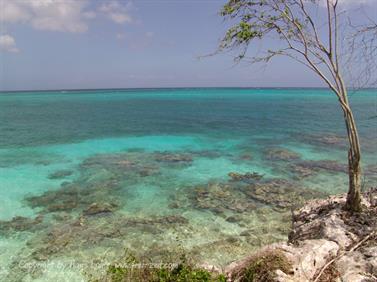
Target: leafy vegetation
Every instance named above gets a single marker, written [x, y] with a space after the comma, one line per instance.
[133, 269]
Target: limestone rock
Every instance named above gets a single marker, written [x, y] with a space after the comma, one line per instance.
[352, 266]
[312, 255]
[322, 231]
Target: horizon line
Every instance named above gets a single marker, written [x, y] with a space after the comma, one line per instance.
[169, 88]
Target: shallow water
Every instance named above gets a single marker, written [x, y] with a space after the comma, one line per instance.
[156, 164]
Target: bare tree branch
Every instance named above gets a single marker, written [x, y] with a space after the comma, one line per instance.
[303, 37]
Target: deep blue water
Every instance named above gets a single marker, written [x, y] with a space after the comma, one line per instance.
[39, 118]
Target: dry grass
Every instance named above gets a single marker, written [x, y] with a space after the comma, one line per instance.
[262, 267]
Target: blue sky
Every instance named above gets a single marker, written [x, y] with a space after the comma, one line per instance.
[54, 44]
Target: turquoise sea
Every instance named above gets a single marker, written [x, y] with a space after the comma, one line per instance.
[87, 175]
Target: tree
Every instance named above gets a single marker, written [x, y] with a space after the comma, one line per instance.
[305, 37]
[364, 39]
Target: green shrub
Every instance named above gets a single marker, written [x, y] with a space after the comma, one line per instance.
[134, 270]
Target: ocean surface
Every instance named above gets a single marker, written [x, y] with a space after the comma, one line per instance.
[86, 176]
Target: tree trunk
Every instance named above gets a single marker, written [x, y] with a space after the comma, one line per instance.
[353, 202]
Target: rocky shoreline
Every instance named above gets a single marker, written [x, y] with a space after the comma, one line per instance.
[326, 244]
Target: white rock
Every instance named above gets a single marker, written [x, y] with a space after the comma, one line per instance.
[312, 255]
[352, 266]
[334, 229]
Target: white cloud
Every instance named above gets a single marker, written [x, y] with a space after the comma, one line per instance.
[117, 12]
[59, 16]
[7, 43]
[72, 16]
[54, 15]
[13, 11]
[62, 15]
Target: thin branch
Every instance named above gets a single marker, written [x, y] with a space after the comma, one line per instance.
[366, 238]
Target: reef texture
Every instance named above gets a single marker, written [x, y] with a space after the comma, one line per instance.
[99, 210]
[104, 209]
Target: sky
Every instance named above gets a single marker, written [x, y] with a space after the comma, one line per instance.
[81, 44]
